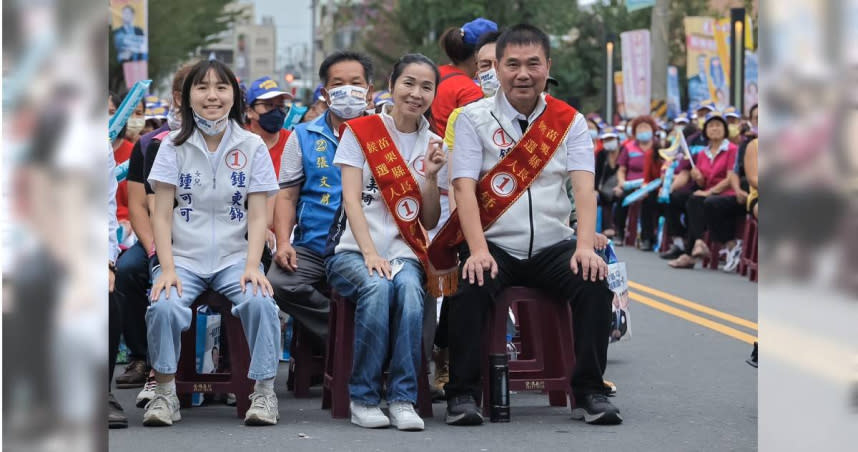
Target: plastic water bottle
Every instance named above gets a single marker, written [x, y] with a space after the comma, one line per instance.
[511, 350]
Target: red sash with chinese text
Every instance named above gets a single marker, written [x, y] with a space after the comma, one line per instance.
[501, 187]
[398, 188]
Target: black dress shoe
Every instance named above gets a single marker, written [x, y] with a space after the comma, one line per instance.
[672, 253]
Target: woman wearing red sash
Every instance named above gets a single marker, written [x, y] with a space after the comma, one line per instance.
[390, 165]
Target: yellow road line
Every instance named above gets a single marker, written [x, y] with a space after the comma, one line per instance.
[692, 305]
[715, 326]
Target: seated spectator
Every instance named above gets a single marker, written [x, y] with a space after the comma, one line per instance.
[734, 126]
[132, 269]
[714, 205]
[680, 191]
[211, 236]
[631, 164]
[309, 196]
[606, 176]
[752, 175]
[388, 160]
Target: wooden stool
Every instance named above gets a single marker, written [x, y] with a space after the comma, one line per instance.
[547, 353]
[189, 381]
[338, 363]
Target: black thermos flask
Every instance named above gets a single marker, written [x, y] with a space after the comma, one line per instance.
[499, 388]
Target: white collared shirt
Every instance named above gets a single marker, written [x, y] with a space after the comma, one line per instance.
[468, 155]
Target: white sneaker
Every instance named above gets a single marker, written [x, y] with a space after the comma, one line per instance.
[734, 256]
[162, 410]
[147, 393]
[263, 410]
[368, 416]
[403, 417]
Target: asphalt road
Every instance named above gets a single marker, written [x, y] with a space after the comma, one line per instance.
[683, 385]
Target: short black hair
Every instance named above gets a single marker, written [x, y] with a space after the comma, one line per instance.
[523, 34]
[488, 37]
[345, 55]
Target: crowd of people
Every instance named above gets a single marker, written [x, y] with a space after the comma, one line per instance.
[419, 197]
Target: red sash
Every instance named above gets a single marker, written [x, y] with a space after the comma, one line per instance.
[501, 187]
[398, 188]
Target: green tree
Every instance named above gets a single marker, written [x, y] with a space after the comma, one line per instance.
[177, 29]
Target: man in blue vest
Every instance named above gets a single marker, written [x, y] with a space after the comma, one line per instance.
[310, 193]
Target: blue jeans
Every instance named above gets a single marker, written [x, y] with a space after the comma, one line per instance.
[388, 315]
[168, 317]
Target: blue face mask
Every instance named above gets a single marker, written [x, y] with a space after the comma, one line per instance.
[644, 136]
[622, 136]
[272, 121]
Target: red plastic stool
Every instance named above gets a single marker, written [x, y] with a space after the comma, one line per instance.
[303, 364]
[749, 241]
[189, 381]
[547, 354]
[338, 363]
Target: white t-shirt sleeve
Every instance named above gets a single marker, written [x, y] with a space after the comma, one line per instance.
[291, 163]
[444, 172]
[468, 154]
[165, 169]
[579, 147]
[349, 151]
[262, 176]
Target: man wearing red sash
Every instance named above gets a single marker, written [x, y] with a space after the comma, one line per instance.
[514, 153]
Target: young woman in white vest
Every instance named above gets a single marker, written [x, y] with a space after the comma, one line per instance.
[375, 262]
[211, 179]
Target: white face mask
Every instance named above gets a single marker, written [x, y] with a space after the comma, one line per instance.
[174, 120]
[347, 101]
[611, 145]
[134, 125]
[209, 127]
[489, 82]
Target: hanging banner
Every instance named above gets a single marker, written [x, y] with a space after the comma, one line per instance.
[702, 60]
[636, 72]
[634, 5]
[130, 28]
[618, 88]
[674, 103]
[752, 68]
[719, 68]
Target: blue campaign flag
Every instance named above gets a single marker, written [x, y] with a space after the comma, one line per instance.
[641, 192]
[634, 5]
[118, 120]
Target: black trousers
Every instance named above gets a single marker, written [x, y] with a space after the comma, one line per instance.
[648, 212]
[675, 209]
[132, 282]
[114, 330]
[549, 270]
[721, 213]
[695, 218]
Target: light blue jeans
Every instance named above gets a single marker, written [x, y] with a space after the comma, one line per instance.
[168, 317]
[388, 321]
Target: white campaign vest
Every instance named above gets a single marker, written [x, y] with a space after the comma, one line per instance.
[210, 214]
[382, 226]
[542, 216]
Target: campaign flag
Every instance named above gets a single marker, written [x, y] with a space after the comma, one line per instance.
[752, 87]
[674, 103]
[636, 72]
[702, 61]
[634, 5]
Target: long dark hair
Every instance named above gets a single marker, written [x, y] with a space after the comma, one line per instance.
[194, 77]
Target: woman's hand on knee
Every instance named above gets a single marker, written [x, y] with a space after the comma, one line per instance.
[379, 264]
[163, 282]
[257, 280]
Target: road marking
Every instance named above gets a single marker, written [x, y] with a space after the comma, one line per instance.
[697, 307]
[715, 326]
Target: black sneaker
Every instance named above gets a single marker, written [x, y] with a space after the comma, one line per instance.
[671, 254]
[596, 409]
[462, 410]
[753, 359]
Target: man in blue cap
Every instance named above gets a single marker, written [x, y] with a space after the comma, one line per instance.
[266, 112]
[310, 193]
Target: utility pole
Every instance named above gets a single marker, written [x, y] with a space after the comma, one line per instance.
[658, 48]
[312, 71]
